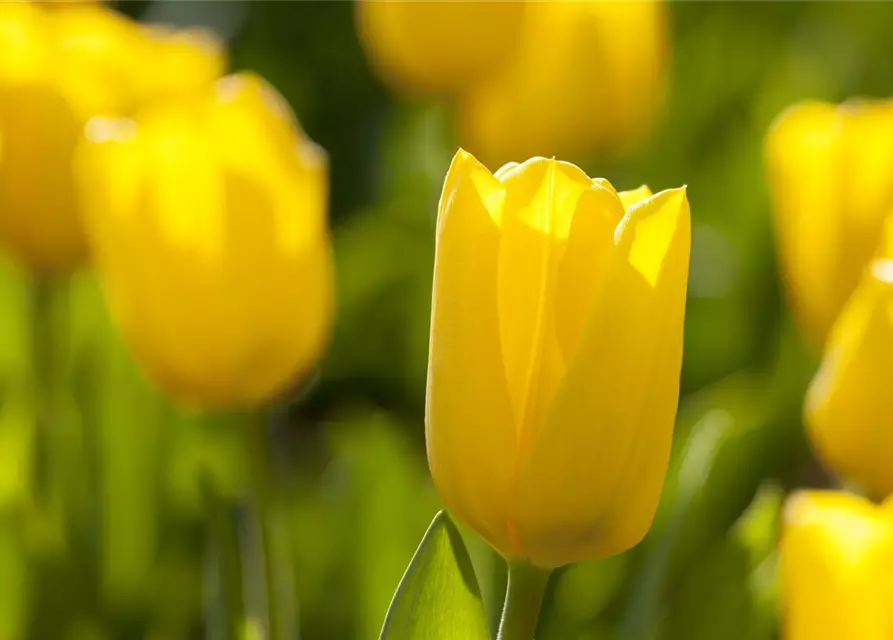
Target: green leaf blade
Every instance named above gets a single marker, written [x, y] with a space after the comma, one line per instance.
[438, 597]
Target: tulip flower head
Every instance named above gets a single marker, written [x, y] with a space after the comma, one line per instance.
[849, 407]
[835, 560]
[555, 352]
[182, 61]
[58, 68]
[52, 4]
[585, 76]
[207, 222]
[438, 47]
[829, 171]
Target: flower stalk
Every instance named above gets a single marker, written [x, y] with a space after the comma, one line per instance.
[523, 600]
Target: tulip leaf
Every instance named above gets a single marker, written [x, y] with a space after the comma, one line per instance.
[438, 597]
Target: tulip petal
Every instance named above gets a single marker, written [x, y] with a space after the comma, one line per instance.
[585, 75]
[629, 198]
[868, 150]
[536, 103]
[541, 198]
[284, 303]
[470, 430]
[152, 209]
[865, 168]
[438, 47]
[259, 145]
[835, 555]
[504, 169]
[590, 246]
[802, 153]
[631, 75]
[591, 482]
[41, 129]
[849, 401]
[604, 182]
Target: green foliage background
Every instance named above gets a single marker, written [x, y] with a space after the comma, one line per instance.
[103, 525]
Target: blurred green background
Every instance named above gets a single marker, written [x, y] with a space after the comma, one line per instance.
[105, 525]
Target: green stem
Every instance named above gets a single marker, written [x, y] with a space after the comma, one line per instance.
[523, 599]
[42, 339]
[276, 562]
[229, 561]
[48, 359]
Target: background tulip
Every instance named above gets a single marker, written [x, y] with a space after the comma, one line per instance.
[829, 173]
[836, 553]
[556, 344]
[52, 4]
[438, 47]
[181, 61]
[849, 407]
[207, 218]
[57, 68]
[586, 75]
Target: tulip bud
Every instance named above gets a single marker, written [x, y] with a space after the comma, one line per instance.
[58, 4]
[37, 128]
[438, 47]
[835, 557]
[57, 68]
[555, 352]
[206, 217]
[849, 405]
[585, 76]
[182, 59]
[829, 173]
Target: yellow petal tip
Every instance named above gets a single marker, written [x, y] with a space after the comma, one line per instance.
[652, 226]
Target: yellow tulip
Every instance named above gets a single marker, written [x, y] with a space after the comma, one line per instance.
[111, 65]
[556, 346]
[829, 171]
[587, 75]
[181, 60]
[835, 562]
[849, 407]
[206, 217]
[61, 4]
[55, 4]
[438, 47]
[57, 68]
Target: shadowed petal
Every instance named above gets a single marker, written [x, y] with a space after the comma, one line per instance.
[591, 483]
[470, 430]
[849, 401]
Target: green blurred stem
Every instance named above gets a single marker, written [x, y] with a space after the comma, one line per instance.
[229, 561]
[45, 354]
[42, 330]
[523, 599]
[273, 542]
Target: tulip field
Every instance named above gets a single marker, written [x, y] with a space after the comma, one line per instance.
[446, 320]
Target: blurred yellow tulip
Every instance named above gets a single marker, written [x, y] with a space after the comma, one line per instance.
[830, 171]
[62, 4]
[835, 562]
[438, 47]
[182, 59]
[206, 217]
[587, 75]
[57, 68]
[849, 406]
[556, 346]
